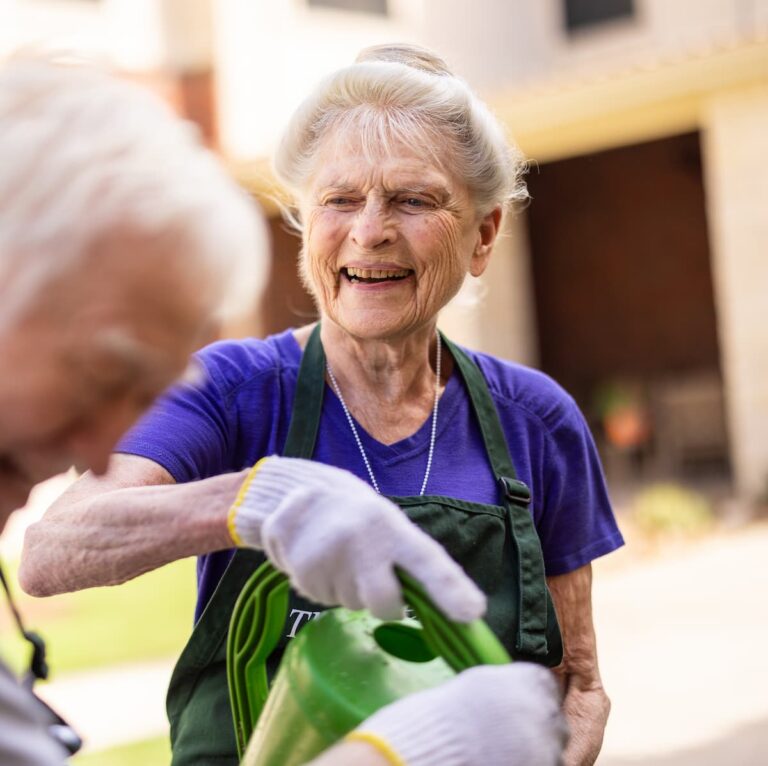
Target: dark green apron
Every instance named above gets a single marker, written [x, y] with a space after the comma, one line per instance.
[496, 544]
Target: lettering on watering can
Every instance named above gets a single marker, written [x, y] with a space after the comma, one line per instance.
[302, 616]
[305, 615]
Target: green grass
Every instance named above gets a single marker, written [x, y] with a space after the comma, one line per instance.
[144, 619]
[151, 752]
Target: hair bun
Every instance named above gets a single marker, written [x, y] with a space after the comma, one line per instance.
[403, 53]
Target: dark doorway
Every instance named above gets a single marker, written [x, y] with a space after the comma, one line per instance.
[624, 299]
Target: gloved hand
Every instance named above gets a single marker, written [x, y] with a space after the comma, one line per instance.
[338, 541]
[501, 715]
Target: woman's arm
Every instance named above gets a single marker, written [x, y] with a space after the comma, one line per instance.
[106, 530]
[312, 520]
[586, 705]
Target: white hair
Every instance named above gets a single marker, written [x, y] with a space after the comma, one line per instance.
[83, 156]
[399, 93]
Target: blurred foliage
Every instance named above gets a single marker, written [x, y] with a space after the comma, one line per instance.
[144, 619]
[151, 752]
[612, 395]
[671, 509]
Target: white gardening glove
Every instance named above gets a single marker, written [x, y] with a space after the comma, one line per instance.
[501, 715]
[339, 541]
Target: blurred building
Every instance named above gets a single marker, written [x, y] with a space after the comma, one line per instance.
[637, 275]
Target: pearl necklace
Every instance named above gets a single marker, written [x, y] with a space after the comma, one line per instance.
[433, 433]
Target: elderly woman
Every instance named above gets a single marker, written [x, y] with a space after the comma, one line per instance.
[400, 177]
[142, 199]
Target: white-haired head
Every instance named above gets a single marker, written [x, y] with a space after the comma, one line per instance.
[85, 156]
[403, 93]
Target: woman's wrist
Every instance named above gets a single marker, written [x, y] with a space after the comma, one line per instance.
[379, 744]
[212, 498]
[243, 500]
[352, 753]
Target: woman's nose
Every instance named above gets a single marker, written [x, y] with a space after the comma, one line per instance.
[372, 226]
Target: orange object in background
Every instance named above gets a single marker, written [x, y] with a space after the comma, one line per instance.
[627, 427]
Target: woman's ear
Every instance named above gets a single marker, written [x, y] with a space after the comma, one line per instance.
[488, 230]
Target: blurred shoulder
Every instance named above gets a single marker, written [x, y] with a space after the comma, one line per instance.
[233, 363]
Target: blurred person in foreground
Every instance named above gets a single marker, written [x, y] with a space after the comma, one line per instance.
[401, 176]
[121, 243]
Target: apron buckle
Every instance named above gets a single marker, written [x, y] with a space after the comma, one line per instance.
[516, 491]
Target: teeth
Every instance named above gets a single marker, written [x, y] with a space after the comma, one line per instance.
[377, 273]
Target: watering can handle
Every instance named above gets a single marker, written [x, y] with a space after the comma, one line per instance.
[259, 616]
[461, 645]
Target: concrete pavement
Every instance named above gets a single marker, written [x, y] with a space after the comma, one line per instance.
[113, 706]
[682, 641]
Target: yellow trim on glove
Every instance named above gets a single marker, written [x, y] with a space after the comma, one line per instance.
[378, 743]
[232, 513]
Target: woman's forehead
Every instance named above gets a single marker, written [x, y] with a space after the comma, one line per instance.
[343, 161]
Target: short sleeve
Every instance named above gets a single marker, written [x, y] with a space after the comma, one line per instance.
[576, 523]
[191, 429]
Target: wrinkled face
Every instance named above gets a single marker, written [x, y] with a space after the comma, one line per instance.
[389, 240]
[81, 368]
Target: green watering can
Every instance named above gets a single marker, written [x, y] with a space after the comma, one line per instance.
[341, 667]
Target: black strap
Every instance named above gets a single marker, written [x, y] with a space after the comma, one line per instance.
[38, 666]
[308, 401]
[485, 410]
[58, 729]
[532, 594]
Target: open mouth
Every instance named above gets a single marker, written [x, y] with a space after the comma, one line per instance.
[375, 276]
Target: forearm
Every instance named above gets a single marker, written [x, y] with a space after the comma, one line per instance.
[585, 705]
[108, 538]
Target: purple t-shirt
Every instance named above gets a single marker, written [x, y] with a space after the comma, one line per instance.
[240, 412]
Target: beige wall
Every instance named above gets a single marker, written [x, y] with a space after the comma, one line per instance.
[271, 52]
[495, 314]
[76, 26]
[497, 44]
[736, 165]
[187, 30]
[134, 35]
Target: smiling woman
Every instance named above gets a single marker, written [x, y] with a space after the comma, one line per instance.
[405, 226]
[400, 177]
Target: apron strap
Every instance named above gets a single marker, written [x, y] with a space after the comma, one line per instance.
[201, 650]
[308, 401]
[300, 442]
[485, 410]
[533, 600]
[532, 606]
